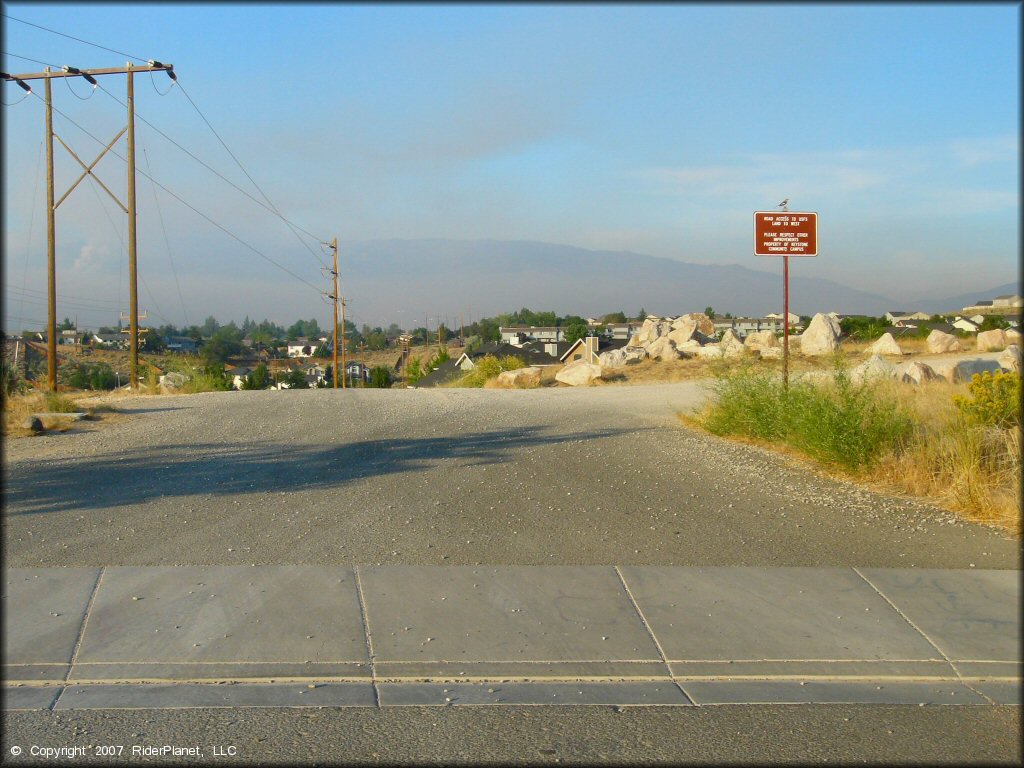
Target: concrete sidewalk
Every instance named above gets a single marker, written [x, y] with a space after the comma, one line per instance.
[229, 636]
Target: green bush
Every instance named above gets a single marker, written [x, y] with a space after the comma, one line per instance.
[838, 422]
[994, 400]
[380, 377]
[58, 403]
[488, 367]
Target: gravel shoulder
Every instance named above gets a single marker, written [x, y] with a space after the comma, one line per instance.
[442, 477]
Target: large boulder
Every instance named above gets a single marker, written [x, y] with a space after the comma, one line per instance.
[1012, 336]
[875, 367]
[652, 329]
[761, 340]
[963, 370]
[885, 345]
[696, 320]
[915, 373]
[821, 336]
[578, 373]
[617, 358]
[992, 341]
[939, 342]
[172, 382]
[731, 344]
[709, 351]
[686, 333]
[521, 378]
[663, 349]
[770, 353]
[33, 424]
[1010, 359]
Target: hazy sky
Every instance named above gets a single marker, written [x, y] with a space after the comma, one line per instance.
[655, 129]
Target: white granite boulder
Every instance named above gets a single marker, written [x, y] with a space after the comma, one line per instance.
[963, 370]
[578, 373]
[662, 348]
[761, 340]
[651, 330]
[617, 358]
[885, 345]
[698, 321]
[709, 351]
[875, 367]
[915, 373]
[770, 353]
[1010, 359]
[731, 344]
[172, 382]
[521, 378]
[821, 337]
[939, 342]
[992, 341]
[1012, 336]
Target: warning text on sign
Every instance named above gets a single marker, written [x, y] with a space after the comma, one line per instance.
[794, 233]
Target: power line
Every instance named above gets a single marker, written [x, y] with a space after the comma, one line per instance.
[166, 241]
[223, 178]
[71, 37]
[26, 58]
[199, 112]
[188, 205]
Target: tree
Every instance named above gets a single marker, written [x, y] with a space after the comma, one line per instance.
[67, 325]
[258, 379]
[614, 317]
[993, 323]
[643, 314]
[210, 326]
[413, 371]
[296, 379]
[380, 377]
[709, 311]
[153, 342]
[220, 347]
[575, 331]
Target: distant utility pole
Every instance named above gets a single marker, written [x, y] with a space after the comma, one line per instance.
[51, 208]
[344, 379]
[334, 351]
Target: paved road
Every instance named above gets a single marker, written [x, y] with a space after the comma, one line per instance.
[600, 477]
[604, 476]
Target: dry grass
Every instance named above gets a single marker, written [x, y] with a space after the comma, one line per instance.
[17, 408]
[969, 469]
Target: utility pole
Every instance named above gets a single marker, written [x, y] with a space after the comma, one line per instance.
[51, 248]
[334, 352]
[89, 74]
[344, 379]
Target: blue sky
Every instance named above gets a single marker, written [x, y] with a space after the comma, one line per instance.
[655, 129]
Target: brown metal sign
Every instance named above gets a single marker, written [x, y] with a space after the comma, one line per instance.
[785, 233]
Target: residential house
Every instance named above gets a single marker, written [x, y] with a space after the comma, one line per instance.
[585, 349]
[70, 337]
[742, 326]
[356, 371]
[898, 316]
[112, 340]
[514, 334]
[238, 374]
[183, 344]
[302, 347]
[1008, 305]
[966, 325]
[622, 331]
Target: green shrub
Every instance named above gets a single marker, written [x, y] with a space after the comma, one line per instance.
[380, 377]
[58, 403]
[838, 422]
[488, 367]
[994, 400]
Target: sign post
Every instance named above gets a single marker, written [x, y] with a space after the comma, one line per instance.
[785, 233]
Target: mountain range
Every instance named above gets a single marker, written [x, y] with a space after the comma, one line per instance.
[487, 277]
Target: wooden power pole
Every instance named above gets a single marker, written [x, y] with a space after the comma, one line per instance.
[334, 351]
[51, 246]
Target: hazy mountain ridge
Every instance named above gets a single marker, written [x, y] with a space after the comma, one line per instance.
[493, 276]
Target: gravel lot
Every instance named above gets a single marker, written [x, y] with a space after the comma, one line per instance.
[442, 477]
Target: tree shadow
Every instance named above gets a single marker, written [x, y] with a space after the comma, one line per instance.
[123, 478]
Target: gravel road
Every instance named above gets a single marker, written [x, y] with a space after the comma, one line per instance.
[597, 476]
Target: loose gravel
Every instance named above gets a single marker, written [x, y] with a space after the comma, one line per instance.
[593, 476]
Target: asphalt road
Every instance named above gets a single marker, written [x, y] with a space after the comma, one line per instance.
[442, 477]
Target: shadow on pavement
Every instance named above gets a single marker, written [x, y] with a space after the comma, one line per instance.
[223, 469]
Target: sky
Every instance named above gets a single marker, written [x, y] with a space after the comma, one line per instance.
[657, 129]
